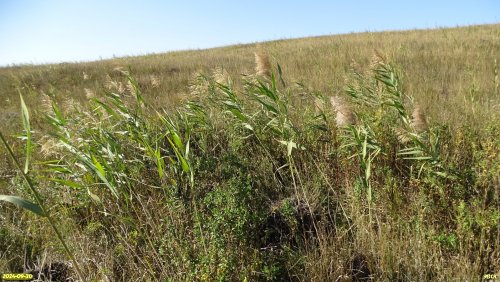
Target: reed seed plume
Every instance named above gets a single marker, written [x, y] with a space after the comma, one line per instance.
[344, 115]
[108, 82]
[221, 76]
[319, 105]
[262, 64]
[419, 122]
[402, 135]
[46, 103]
[155, 82]
[48, 146]
[130, 88]
[120, 88]
[85, 76]
[70, 105]
[111, 84]
[355, 67]
[377, 59]
[197, 84]
[89, 93]
[118, 69]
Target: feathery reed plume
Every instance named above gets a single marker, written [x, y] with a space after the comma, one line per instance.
[345, 116]
[89, 93]
[120, 88]
[130, 88]
[69, 105]
[220, 76]
[262, 64]
[198, 85]
[377, 59]
[109, 83]
[355, 67]
[418, 122]
[155, 82]
[402, 135]
[319, 105]
[85, 76]
[46, 103]
[48, 146]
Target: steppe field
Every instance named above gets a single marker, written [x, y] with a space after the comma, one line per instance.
[356, 157]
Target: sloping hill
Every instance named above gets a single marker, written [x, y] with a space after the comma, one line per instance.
[373, 155]
[451, 72]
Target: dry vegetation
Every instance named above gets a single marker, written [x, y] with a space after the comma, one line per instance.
[372, 155]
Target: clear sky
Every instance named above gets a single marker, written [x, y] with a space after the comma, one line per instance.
[42, 31]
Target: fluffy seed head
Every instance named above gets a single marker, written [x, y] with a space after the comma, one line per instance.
[345, 116]
[377, 59]
[109, 83]
[221, 76]
[319, 105]
[48, 146]
[402, 135]
[46, 103]
[69, 105]
[89, 93]
[130, 88]
[262, 64]
[155, 82]
[419, 122]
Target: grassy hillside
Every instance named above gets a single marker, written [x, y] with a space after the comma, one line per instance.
[360, 155]
[451, 72]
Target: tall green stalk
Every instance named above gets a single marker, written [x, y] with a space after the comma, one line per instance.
[39, 209]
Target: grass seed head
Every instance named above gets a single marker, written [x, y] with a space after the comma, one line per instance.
[130, 88]
[221, 76]
[262, 64]
[46, 103]
[319, 105]
[155, 82]
[419, 122]
[345, 116]
[48, 146]
[377, 59]
[89, 93]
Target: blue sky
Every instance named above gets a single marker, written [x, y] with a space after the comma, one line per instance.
[36, 31]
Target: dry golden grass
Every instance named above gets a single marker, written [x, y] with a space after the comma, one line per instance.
[449, 71]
